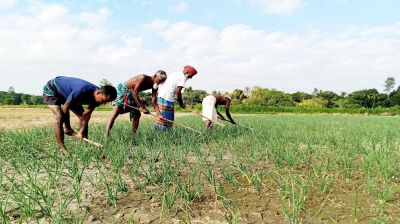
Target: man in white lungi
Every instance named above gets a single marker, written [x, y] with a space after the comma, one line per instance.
[209, 109]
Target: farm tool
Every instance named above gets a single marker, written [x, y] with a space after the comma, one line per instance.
[173, 122]
[215, 122]
[90, 141]
[241, 125]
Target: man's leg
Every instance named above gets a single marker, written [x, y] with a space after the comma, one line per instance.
[135, 122]
[58, 126]
[115, 112]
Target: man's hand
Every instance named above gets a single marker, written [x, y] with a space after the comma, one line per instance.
[160, 119]
[145, 111]
[69, 131]
[79, 136]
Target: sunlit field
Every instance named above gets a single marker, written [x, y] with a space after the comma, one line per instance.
[290, 169]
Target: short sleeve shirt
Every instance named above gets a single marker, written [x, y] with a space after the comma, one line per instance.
[75, 91]
[168, 89]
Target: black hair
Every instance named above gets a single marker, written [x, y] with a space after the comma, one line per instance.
[110, 91]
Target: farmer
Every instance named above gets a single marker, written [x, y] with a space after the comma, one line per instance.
[73, 93]
[209, 109]
[166, 95]
[128, 97]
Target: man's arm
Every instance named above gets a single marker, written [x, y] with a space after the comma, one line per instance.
[179, 96]
[228, 114]
[84, 121]
[154, 101]
[220, 115]
[136, 91]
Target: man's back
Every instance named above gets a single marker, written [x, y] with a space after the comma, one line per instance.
[74, 90]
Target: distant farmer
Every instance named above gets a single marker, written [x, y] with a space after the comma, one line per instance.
[166, 95]
[209, 109]
[73, 93]
[128, 97]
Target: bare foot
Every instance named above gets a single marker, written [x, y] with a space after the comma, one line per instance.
[63, 150]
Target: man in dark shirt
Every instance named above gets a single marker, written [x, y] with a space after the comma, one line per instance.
[73, 93]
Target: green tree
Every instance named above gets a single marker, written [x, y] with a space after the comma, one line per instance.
[193, 96]
[26, 99]
[298, 97]
[368, 98]
[260, 96]
[246, 91]
[8, 101]
[313, 103]
[237, 94]
[329, 96]
[390, 82]
[16, 98]
[37, 100]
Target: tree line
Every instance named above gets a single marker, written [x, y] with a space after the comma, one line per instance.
[10, 97]
[365, 98]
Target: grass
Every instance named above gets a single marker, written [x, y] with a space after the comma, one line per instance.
[292, 168]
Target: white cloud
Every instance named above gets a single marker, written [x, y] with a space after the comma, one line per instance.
[180, 7]
[94, 19]
[4, 4]
[50, 40]
[276, 6]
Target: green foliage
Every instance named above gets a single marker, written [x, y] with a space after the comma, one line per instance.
[329, 97]
[145, 97]
[313, 103]
[298, 97]
[192, 96]
[259, 96]
[389, 84]
[368, 98]
[266, 97]
[237, 94]
[13, 98]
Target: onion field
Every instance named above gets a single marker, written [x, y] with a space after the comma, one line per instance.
[289, 169]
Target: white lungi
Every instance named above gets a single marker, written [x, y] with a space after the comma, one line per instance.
[208, 108]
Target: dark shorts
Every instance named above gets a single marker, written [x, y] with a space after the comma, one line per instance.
[50, 94]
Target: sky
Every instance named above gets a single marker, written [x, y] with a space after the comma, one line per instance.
[289, 45]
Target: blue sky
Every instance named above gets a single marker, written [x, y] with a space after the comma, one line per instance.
[290, 45]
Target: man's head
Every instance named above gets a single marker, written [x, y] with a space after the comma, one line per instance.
[105, 94]
[159, 77]
[189, 71]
